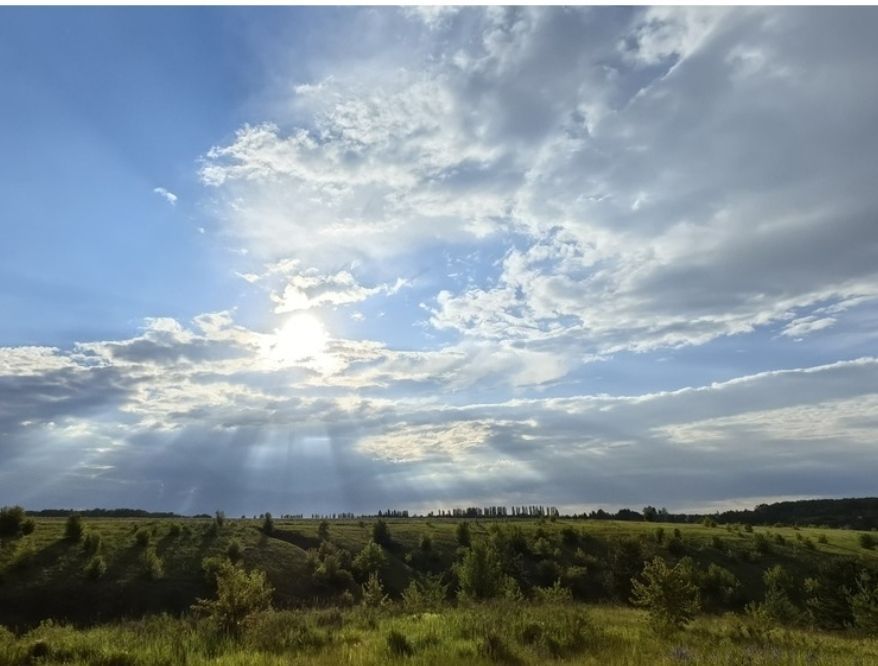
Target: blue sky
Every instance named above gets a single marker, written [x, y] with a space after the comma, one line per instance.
[308, 259]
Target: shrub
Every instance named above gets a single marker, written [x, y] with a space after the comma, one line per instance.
[667, 593]
[73, 528]
[11, 520]
[866, 541]
[822, 539]
[463, 535]
[323, 529]
[219, 518]
[676, 547]
[238, 595]
[92, 543]
[96, 568]
[719, 587]
[864, 604]
[569, 536]
[369, 560]
[480, 573]
[425, 544]
[762, 544]
[556, 594]
[28, 526]
[559, 633]
[174, 530]
[152, 565]
[279, 632]
[424, 594]
[398, 644]
[211, 567]
[717, 543]
[381, 533]
[234, 551]
[659, 534]
[373, 593]
[142, 537]
[268, 525]
[777, 605]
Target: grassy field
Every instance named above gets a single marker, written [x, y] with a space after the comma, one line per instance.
[135, 613]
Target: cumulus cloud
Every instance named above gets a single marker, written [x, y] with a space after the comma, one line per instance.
[310, 290]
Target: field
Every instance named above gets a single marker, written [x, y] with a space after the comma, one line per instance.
[136, 611]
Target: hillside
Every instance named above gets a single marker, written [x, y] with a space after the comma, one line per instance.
[45, 575]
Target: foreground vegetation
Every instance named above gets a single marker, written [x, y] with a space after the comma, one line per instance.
[168, 591]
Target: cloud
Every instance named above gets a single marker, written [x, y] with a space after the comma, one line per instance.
[311, 290]
[168, 196]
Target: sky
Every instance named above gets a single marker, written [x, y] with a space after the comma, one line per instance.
[309, 260]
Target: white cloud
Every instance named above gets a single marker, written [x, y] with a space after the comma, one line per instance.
[167, 195]
[310, 289]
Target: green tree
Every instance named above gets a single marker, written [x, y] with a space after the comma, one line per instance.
[463, 535]
[11, 520]
[238, 595]
[369, 560]
[667, 593]
[73, 528]
[323, 529]
[864, 604]
[267, 524]
[373, 593]
[480, 573]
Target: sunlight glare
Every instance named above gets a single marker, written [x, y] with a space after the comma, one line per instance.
[302, 337]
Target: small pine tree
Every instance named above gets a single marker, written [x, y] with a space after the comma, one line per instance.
[73, 528]
[480, 573]
[142, 537]
[864, 604]
[463, 535]
[153, 569]
[219, 518]
[238, 595]
[866, 541]
[373, 593]
[234, 551]
[323, 530]
[96, 567]
[667, 593]
[268, 525]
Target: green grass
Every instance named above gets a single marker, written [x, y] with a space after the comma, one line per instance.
[484, 634]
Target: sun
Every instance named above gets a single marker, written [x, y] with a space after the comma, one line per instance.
[302, 337]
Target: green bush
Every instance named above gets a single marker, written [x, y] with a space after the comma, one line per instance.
[667, 593]
[280, 632]
[462, 534]
[323, 530]
[238, 595]
[370, 560]
[556, 594]
[28, 526]
[92, 543]
[234, 551]
[174, 530]
[866, 541]
[23, 555]
[425, 594]
[96, 568]
[373, 593]
[153, 569]
[864, 604]
[11, 520]
[142, 537]
[73, 528]
[480, 573]
[267, 524]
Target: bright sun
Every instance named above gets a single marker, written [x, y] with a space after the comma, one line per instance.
[302, 337]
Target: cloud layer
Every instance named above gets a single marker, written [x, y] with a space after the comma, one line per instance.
[509, 203]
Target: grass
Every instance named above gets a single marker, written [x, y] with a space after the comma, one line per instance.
[484, 634]
[123, 616]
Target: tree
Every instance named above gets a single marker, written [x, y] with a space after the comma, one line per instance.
[268, 524]
[373, 592]
[11, 520]
[463, 535]
[73, 529]
[238, 595]
[323, 530]
[779, 587]
[867, 541]
[369, 560]
[650, 514]
[667, 593]
[864, 604]
[480, 573]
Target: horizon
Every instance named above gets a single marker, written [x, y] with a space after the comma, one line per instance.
[331, 259]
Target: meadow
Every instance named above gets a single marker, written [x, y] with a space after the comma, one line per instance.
[428, 591]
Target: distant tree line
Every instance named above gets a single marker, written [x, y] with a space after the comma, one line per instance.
[103, 513]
